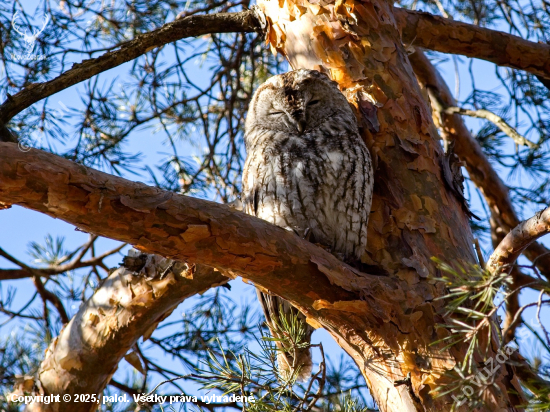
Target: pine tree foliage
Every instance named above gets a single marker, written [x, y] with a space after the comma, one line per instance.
[186, 104]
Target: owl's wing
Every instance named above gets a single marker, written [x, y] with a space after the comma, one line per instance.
[249, 195]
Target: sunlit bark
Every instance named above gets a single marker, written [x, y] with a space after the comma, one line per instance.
[414, 216]
[480, 170]
[126, 306]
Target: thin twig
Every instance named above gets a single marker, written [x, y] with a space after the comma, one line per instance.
[496, 120]
[481, 114]
[191, 26]
[479, 253]
[52, 297]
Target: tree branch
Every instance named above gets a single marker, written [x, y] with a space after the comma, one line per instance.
[418, 28]
[203, 232]
[188, 229]
[511, 321]
[482, 114]
[479, 168]
[76, 263]
[517, 240]
[52, 297]
[12, 274]
[83, 358]
[191, 26]
[450, 36]
[44, 293]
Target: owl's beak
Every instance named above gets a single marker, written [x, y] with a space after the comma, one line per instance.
[301, 126]
[299, 121]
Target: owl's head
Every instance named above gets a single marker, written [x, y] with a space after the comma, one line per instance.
[296, 103]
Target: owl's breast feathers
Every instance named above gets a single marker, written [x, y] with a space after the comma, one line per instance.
[321, 180]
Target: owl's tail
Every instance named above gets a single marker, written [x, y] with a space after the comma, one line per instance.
[292, 340]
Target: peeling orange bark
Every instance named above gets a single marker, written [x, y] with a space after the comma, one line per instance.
[414, 217]
[86, 354]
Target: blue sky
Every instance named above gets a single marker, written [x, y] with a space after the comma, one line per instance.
[19, 226]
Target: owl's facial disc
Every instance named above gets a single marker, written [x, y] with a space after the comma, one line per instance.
[297, 110]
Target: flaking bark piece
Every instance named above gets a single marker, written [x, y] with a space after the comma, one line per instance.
[369, 113]
[451, 170]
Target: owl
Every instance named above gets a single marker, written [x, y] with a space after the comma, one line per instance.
[308, 171]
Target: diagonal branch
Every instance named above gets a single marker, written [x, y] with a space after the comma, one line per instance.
[191, 26]
[481, 172]
[330, 293]
[479, 168]
[418, 28]
[127, 305]
[482, 114]
[51, 297]
[188, 229]
[519, 238]
[450, 36]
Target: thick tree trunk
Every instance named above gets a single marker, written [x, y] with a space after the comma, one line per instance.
[414, 215]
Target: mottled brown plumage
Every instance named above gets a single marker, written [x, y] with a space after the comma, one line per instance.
[308, 171]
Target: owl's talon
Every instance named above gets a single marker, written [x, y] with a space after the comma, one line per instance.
[340, 256]
[307, 234]
[325, 247]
